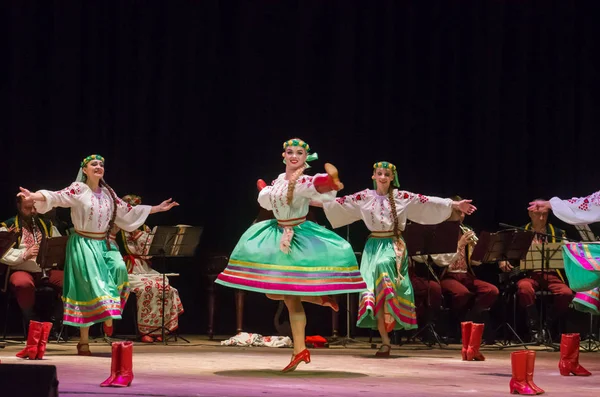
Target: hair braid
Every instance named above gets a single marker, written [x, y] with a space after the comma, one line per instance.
[394, 211]
[114, 213]
[292, 183]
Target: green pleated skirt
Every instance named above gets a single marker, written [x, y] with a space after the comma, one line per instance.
[582, 265]
[319, 262]
[96, 285]
[378, 268]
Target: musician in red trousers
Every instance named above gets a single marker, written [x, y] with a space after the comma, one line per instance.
[25, 274]
[536, 280]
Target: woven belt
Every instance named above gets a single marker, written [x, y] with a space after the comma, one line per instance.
[291, 222]
[92, 235]
[385, 234]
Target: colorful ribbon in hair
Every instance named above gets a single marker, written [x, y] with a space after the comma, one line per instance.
[388, 166]
[90, 158]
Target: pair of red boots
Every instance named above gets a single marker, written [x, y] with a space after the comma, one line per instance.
[121, 365]
[37, 339]
[523, 362]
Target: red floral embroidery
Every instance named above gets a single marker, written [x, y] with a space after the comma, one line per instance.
[423, 199]
[341, 200]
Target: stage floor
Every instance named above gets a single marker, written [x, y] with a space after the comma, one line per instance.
[204, 368]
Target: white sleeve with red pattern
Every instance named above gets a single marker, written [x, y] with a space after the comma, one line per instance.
[578, 210]
[264, 198]
[66, 198]
[344, 210]
[305, 188]
[130, 218]
[427, 210]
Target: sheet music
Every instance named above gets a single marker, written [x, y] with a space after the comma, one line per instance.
[586, 233]
[552, 255]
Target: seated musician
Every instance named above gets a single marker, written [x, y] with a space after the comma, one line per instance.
[460, 282]
[25, 274]
[147, 283]
[536, 280]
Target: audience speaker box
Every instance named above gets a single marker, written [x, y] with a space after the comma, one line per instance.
[20, 380]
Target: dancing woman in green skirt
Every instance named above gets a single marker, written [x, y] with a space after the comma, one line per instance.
[388, 302]
[95, 279]
[290, 258]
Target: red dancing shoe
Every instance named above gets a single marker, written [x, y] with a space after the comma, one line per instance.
[147, 339]
[81, 352]
[384, 352]
[108, 331]
[330, 302]
[304, 355]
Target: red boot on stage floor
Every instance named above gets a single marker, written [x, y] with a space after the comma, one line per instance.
[569, 356]
[529, 372]
[33, 340]
[125, 376]
[115, 362]
[473, 353]
[465, 328]
[46, 328]
[518, 383]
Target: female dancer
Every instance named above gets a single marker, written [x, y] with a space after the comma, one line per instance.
[388, 303]
[95, 279]
[290, 258]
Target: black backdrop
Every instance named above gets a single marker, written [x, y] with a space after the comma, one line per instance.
[493, 100]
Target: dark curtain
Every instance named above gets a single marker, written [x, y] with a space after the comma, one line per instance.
[493, 100]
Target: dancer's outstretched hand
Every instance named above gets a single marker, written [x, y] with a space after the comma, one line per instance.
[165, 206]
[25, 194]
[464, 206]
[539, 206]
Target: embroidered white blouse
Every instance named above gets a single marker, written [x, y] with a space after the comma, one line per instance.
[274, 197]
[91, 211]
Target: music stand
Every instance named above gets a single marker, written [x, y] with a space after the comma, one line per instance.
[173, 242]
[348, 338]
[544, 259]
[53, 252]
[505, 245]
[425, 240]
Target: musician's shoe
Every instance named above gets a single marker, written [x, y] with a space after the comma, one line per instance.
[125, 376]
[304, 355]
[384, 351]
[465, 328]
[569, 356]
[34, 334]
[473, 353]
[114, 364]
[518, 383]
[46, 328]
[147, 339]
